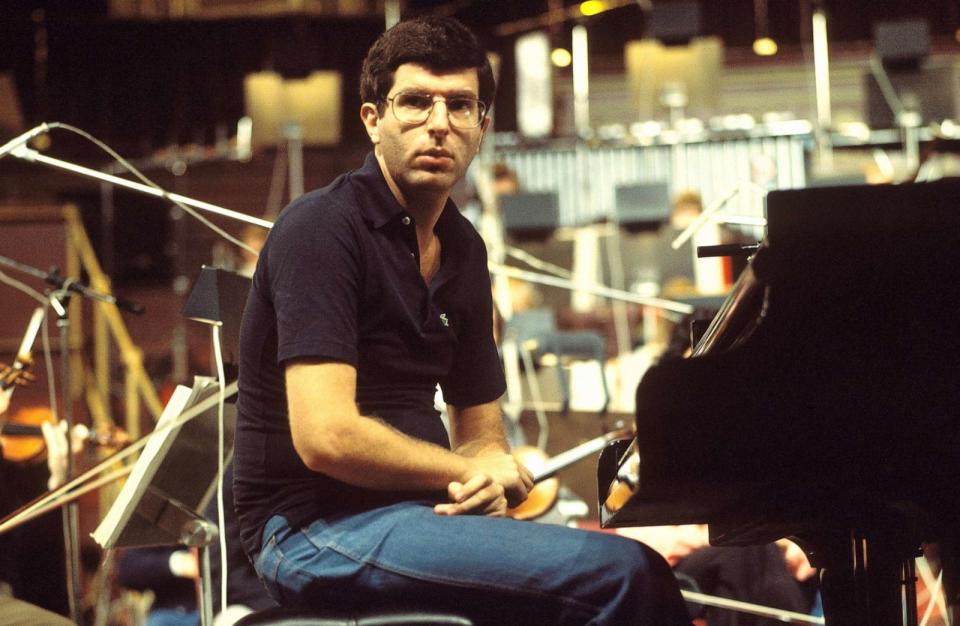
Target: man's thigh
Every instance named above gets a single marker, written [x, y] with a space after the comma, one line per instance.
[404, 551]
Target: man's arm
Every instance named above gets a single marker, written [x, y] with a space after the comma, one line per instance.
[477, 432]
[331, 436]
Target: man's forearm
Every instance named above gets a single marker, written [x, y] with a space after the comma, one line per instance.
[489, 444]
[477, 430]
[370, 454]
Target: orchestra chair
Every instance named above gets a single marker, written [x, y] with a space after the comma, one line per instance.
[286, 616]
[538, 337]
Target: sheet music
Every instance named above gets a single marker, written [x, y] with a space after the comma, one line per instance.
[123, 508]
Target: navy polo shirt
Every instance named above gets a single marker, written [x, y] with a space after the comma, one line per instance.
[339, 279]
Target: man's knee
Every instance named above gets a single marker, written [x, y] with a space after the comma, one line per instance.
[631, 558]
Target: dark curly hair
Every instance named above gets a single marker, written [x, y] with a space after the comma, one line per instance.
[437, 43]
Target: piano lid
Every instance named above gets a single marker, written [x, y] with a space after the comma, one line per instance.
[844, 400]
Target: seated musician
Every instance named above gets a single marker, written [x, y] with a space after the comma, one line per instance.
[22, 570]
[366, 295]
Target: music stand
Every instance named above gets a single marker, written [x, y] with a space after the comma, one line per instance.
[530, 216]
[171, 483]
[218, 298]
[642, 208]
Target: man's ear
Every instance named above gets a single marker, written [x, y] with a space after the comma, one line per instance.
[371, 120]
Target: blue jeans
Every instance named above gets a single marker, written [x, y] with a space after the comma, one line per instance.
[495, 571]
[173, 617]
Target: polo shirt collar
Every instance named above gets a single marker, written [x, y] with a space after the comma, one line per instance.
[378, 207]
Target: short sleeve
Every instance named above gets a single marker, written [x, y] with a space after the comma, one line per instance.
[315, 275]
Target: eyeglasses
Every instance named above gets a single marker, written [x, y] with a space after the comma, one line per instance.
[412, 107]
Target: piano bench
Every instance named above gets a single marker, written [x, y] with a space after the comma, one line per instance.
[284, 616]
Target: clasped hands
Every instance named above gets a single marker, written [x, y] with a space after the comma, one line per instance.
[494, 483]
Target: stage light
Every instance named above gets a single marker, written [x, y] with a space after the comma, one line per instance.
[561, 57]
[592, 7]
[764, 47]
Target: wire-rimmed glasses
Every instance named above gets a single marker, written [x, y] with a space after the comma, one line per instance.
[413, 107]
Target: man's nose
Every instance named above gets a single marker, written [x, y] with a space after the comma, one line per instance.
[438, 120]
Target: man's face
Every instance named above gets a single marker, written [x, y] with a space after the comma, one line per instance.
[425, 158]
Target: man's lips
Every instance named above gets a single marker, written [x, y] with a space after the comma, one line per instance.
[435, 158]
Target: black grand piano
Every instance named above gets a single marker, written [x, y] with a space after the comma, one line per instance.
[823, 401]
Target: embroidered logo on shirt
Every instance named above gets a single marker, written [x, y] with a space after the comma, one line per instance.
[444, 320]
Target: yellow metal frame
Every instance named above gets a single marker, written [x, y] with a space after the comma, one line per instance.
[91, 382]
[108, 327]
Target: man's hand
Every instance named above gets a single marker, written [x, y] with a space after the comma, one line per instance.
[796, 560]
[183, 564]
[55, 437]
[480, 496]
[496, 481]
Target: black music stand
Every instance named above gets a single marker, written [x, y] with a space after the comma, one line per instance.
[172, 482]
[530, 216]
[218, 298]
[642, 208]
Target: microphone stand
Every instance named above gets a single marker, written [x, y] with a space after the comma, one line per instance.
[71, 528]
[59, 301]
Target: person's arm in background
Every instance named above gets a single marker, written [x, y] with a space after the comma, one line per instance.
[55, 439]
[796, 560]
[672, 542]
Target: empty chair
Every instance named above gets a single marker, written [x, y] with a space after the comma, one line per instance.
[537, 334]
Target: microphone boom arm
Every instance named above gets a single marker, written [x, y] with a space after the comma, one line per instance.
[32, 156]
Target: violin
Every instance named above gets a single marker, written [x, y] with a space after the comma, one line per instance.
[546, 485]
[21, 436]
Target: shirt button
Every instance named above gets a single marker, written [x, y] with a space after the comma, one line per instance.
[406, 220]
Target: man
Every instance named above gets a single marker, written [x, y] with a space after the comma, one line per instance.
[366, 295]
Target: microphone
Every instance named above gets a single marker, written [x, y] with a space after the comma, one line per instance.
[19, 140]
[53, 278]
[77, 287]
